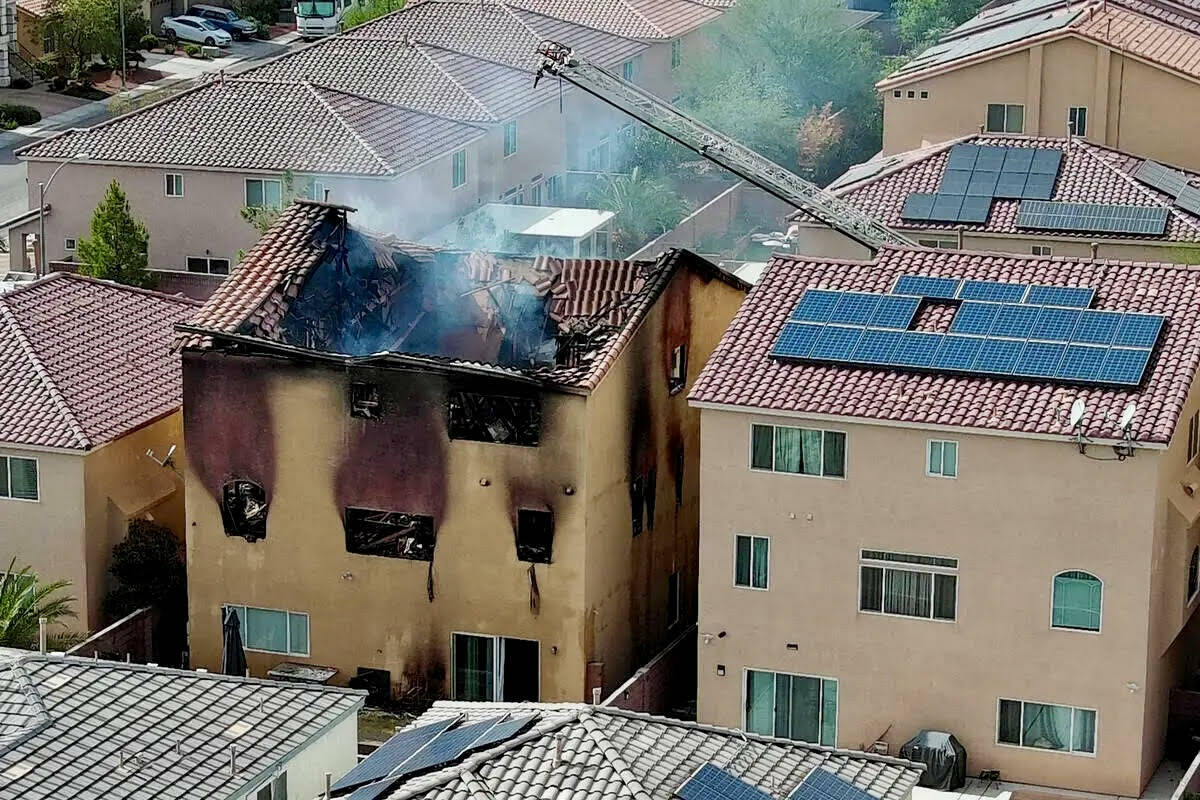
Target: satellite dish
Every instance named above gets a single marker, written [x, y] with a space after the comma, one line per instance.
[1127, 416]
[1077, 411]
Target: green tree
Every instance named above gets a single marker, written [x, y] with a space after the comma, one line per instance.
[367, 10]
[118, 245]
[265, 12]
[922, 22]
[84, 28]
[643, 207]
[148, 569]
[24, 600]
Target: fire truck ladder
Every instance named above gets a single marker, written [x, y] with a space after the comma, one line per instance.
[559, 60]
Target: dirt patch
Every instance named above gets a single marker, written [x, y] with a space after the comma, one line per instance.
[376, 725]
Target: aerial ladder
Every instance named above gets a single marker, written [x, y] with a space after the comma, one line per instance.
[560, 61]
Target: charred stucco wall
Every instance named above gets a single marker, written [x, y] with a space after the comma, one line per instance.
[635, 425]
[289, 428]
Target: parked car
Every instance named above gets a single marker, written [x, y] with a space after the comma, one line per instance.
[226, 19]
[195, 29]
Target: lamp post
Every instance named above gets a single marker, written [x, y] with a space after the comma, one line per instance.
[42, 187]
[124, 59]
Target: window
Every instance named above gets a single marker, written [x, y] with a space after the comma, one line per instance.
[897, 93]
[392, 534]
[270, 630]
[458, 168]
[1193, 443]
[365, 400]
[597, 157]
[274, 789]
[19, 478]
[800, 707]
[939, 244]
[924, 94]
[494, 668]
[1077, 601]
[535, 194]
[751, 561]
[69, 244]
[1005, 118]
[672, 599]
[510, 138]
[497, 419]
[1193, 573]
[905, 585]
[317, 191]
[244, 509]
[174, 184]
[535, 535]
[554, 189]
[637, 497]
[911, 94]
[942, 459]
[629, 70]
[1041, 250]
[1077, 120]
[800, 451]
[676, 53]
[678, 369]
[1046, 727]
[207, 265]
[263, 193]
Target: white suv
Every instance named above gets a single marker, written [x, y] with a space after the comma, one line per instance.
[194, 29]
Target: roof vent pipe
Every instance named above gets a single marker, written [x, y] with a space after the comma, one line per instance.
[559, 742]
[1095, 250]
[328, 785]
[232, 760]
[42, 635]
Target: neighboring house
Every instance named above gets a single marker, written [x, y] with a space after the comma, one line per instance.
[466, 474]
[1122, 73]
[89, 385]
[84, 728]
[415, 119]
[939, 546]
[32, 42]
[987, 193]
[482, 751]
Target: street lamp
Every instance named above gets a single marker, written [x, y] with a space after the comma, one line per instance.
[42, 187]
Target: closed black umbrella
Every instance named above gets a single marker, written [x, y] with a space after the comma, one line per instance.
[233, 656]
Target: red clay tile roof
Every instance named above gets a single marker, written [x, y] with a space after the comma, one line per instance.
[1089, 173]
[741, 373]
[83, 361]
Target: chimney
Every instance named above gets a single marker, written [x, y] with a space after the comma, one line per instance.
[42, 635]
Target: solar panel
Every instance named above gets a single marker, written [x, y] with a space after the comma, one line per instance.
[1124, 365]
[1138, 330]
[1018, 159]
[946, 207]
[916, 349]
[1096, 217]
[1097, 327]
[1162, 178]
[957, 352]
[974, 318]
[815, 305]
[991, 157]
[391, 754]
[998, 356]
[1011, 185]
[836, 342]
[1039, 187]
[503, 731]
[876, 346]
[1015, 321]
[1189, 199]
[954, 181]
[821, 784]
[917, 206]
[855, 308]
[372, 791]
[1081, 362]
[1074, 296]
[926, 286]
[1055, 324]
[975, 209]
[713, 783]
[962, 156]
[795, 340]
[446, 748]
[1040, 359]
[993, 291]
[983, 182]
[895, 311]
[1046, 161]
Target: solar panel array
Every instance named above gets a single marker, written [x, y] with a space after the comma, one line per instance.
[977, 174]
[1095, 217]
[1170, 181]
[710, 782]
[999, 329]
[821, 784]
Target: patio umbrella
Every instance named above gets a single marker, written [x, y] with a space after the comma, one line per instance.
[233, 656]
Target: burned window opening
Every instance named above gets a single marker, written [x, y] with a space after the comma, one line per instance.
[637, 493]
[244, 509]
[650, 495]
[391, 534]
[496, 419]
[678, 376]
[535, 535]
[364, 401]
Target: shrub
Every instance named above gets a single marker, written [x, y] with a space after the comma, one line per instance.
[20, 83]
[58, 83]
[261, 11]
[19, 115]
[193, 50]
[49, 66]
[169, 47]
[263, 31]
[148, 42]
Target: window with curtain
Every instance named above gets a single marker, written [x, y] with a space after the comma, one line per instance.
[752, 554]
[799, 451]
[799, 707]
[1077, 601]
[908, 585]
[1046, 727]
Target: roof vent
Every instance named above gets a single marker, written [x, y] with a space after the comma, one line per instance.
[18, 770]
[237, 729]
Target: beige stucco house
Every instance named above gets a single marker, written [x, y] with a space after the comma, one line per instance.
[483, 487]
[1121, 74]
[962, 522]
[89, 387]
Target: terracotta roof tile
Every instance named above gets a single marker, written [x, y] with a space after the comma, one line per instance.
[84, 361]
[741, 373]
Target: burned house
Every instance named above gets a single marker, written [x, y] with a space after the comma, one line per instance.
[458, 473]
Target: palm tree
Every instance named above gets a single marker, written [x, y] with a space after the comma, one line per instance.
[644, 207]
[24, 600]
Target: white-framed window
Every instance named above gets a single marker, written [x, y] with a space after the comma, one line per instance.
[69, 244]
[208, 265]
[1193, 440]
[273, 789]
[1046, 726]
[789, 706]
[631, 68]
[798, 451]
[174, 184]
[535, 194]
[673, 599]
[1041, 250]
[272, 630]
[676, 53]
[510, 138]
[494, 668]
[317, 191]
[1077, 601]
[1077, 120]
[751, 561]
[19, 478]
[1005, 118]
[939, 244]
[897, 93]
[1193, 575]
[264, 193]
[554, 189]
[907, 585]
[458, 168]
[924, 94]
[941, 458]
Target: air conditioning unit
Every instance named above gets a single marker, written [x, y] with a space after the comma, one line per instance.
[209, 51]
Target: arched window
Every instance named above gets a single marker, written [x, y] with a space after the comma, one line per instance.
[1193, 573]
[1077, 601]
